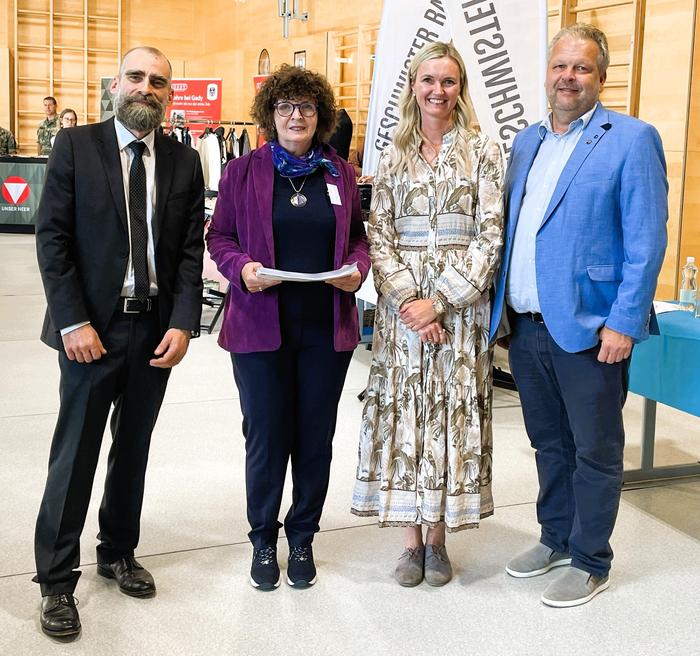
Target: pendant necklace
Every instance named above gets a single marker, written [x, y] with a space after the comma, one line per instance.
[435, 149]
[297, 199]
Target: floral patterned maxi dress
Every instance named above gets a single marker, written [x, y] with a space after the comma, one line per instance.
[425, 441]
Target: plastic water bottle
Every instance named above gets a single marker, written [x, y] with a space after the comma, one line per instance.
[689, 285]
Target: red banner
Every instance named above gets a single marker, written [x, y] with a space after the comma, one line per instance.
[195, 99]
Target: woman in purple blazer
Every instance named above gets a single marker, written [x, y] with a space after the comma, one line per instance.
[292, 205]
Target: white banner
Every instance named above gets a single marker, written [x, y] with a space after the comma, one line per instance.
[407, 25]
[503, 44]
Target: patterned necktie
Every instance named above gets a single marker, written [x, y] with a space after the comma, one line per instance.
[137, 220]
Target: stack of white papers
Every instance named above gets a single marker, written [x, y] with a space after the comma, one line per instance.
[295, 276]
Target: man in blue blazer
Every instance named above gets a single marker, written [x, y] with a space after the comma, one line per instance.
[586, 196]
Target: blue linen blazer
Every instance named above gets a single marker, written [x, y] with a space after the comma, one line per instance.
[602, 240]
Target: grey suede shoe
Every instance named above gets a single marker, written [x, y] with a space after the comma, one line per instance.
[438, 569]
[409, 571]
[536, 561]
[574, 588]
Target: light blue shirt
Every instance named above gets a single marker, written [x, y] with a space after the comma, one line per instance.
[551, 158]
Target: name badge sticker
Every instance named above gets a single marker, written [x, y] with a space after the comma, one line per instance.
[334, 194]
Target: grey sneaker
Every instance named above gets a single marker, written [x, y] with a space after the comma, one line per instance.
[409, 571]
[574, 588]
[536, 561]
[438, 570]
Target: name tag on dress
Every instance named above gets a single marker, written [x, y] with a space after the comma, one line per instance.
[334, 194]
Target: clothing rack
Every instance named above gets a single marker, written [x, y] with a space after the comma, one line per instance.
[205, 121]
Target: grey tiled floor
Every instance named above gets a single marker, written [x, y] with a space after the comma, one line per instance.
[194, 534]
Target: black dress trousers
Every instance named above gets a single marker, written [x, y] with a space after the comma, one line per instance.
[123, 378]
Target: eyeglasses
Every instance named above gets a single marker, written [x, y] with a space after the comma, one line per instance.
[285, 108]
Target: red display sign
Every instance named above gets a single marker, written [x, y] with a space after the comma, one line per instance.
[15, 190]
[195, 99]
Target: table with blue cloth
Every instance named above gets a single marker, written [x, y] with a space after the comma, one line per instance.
[666, 369]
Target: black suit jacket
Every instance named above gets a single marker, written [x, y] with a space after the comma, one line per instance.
[83, 240]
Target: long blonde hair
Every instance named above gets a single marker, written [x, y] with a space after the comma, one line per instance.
[408, 135]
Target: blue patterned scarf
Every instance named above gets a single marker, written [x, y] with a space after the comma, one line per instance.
[291, 166]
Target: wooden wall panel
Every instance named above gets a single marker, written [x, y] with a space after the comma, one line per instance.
[5, 98]
[663, 102]
[663, 95]
[229, 46]
[6, 12]
[238, 66]
[6, 63]
[350, 70]
[234, 24]
[168, 26]
[690, 227]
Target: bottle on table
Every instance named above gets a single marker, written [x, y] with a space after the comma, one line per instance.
[689, 286]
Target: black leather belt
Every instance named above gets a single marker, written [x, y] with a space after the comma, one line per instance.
[532, 316]
[130, 305]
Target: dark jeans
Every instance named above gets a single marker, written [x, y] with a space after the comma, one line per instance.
[572, 405]
[289, 399]
[124, 378]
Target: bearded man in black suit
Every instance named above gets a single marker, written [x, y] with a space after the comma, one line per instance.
[119, 235]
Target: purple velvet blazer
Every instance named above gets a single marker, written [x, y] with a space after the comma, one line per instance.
[241, 232]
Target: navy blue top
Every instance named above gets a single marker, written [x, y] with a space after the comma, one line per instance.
[304, 241]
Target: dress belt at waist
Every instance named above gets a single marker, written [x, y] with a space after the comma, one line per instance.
[131, 305]
[535, 317]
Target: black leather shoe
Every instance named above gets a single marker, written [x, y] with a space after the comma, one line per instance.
[59, 615]
[132, 578]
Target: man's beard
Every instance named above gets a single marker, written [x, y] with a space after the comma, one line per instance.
[139, 116]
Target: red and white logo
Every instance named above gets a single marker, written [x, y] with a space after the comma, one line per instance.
[15, 190]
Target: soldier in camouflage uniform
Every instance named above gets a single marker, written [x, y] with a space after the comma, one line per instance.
[8, 145]
[48, 127]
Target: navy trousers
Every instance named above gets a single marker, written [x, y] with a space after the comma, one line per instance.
[572, 406]
[289, 400]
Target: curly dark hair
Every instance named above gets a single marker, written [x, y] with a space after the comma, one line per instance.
[294, 83]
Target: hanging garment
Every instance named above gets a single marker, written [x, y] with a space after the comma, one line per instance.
[201, 149]
[231, 144]
[244, 143]
[342, 136]
[210, 153]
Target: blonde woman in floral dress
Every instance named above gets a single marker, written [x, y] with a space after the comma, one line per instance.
[435, 234]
